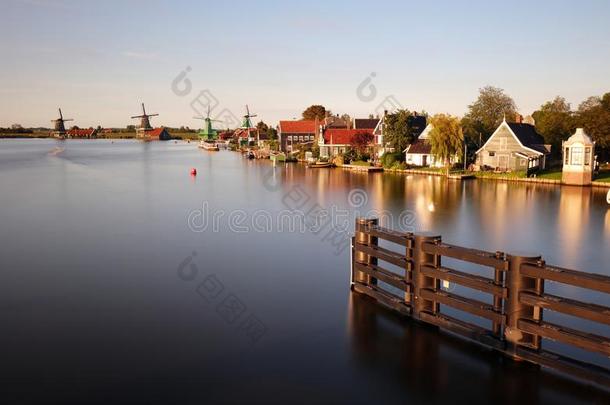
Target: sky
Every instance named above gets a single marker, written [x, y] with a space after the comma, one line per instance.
[98, 60]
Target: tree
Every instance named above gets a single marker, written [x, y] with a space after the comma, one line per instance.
[446, 138]
[272, 133]
[315, 111]
[361, 141]
[594, 116]
[397, 131]
[554, 122]
[262, 127]
[487, 112]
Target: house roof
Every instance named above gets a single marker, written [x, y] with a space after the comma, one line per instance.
[156, 131]
[298, 127]
[420, 147]
[342, 136]
[366, 123]
[418, 122]
[525, 134]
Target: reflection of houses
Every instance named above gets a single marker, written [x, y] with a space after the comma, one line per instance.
[81, 133]
[514, 146]
[292, 133]
[578, 159]
[335, 141]
[419, 153]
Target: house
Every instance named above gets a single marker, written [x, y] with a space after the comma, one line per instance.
[155, 134]
[81, 133]
[416, 122]
[335, 121]
[336, 141]
[578, 159]
[366, 123]
[514, 146]
[294, 132]
[419, 153]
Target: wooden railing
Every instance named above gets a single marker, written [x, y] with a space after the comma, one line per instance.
[515, 286]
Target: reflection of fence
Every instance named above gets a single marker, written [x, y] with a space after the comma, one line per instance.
[516, 289]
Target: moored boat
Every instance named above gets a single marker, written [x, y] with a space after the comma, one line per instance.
[211, 146]
[319, 165]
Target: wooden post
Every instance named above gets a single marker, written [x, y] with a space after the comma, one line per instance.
[420, 281]
[363, 237]
[516, 283]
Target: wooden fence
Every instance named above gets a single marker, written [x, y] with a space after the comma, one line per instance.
[516, 289]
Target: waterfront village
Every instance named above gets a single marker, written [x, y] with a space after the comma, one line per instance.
[493, 141]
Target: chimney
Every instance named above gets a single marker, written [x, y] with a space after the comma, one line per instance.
[518, 118]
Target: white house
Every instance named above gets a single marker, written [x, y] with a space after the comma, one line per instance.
[419, 153]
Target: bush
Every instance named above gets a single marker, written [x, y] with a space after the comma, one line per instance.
[388, 159]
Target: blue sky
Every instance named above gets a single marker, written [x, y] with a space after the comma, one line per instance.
[99, 59]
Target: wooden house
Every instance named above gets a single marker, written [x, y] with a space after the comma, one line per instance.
[336, 141]
[292, 133]
[514, 146]
[419, 153]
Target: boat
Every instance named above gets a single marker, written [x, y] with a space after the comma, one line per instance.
[211, 146]
[250, 155]
[319, 165]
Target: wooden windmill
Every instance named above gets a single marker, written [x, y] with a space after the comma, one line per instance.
[247, 124]
[59, 130]
[144, 123]
[207, 133]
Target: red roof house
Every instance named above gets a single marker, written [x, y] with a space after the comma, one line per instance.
[296, 132]
[338, 140]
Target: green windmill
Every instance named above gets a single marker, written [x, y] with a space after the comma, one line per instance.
[207, 133]
[248, 127]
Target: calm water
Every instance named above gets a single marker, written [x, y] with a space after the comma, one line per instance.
[124, 279]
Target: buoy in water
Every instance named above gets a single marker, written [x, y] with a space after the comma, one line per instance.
[193, 172]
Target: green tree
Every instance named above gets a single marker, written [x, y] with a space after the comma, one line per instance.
[594, 116]
[487, 112]
[397, 130]
[554, 122]
[446, 138]
[262, 127]
[314, 111]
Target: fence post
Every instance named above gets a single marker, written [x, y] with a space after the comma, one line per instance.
[363, 236]
[516, 283]
[420, 281]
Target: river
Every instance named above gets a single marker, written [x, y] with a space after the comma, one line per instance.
[126, 279]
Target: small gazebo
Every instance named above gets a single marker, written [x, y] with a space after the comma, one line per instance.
[578, 159]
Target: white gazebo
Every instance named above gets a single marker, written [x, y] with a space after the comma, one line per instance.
[578, 159]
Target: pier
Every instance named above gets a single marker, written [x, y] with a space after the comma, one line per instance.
[515, 288]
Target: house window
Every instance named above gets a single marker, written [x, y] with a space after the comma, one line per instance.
[492, 154]
[577, 156]
[566, 156]
[289, 137]
[587, 156]
[503, 143]
[301, 138]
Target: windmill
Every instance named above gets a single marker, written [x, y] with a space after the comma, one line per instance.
[247, 123]
[60, 129]
[144, 121]
[207, 133]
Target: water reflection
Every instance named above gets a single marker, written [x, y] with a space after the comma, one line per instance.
[434, 367]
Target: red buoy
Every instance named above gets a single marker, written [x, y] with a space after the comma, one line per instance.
[194, 172]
